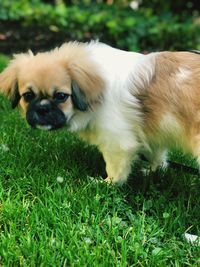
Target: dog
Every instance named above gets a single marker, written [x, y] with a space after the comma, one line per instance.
[125, 103]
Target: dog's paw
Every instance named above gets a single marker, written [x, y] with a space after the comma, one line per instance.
[153, 167]
[159, 166]
[112, 181]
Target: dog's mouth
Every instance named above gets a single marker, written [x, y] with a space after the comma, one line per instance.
[45, 117]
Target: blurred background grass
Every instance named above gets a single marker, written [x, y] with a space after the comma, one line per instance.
[138, 25]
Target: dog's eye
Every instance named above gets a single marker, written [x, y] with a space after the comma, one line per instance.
[28, 96]
[60, 96]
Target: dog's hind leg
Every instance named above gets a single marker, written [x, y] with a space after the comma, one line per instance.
[157, 159]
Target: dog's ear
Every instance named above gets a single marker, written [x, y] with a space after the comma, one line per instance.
[78, 97]
[15, 97]
[8, 84]
[9, 77]
[88, 83]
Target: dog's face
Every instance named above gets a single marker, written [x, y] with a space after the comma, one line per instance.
[52, 87]
[45, 94]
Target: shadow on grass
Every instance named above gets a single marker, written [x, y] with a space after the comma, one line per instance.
[65, 152]
[34, 152]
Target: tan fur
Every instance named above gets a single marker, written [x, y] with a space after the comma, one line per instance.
[82, 69]
[55, 69]
[172, 93]
[8, 79]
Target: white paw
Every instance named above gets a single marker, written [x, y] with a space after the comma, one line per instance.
[155, 166]
[113, 181]
[163, 166]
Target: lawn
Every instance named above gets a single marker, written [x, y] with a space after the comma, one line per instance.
[81, 221]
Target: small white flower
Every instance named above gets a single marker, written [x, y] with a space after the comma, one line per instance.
[60, 179]
[193, 239]
[4, 148]
[87, 240]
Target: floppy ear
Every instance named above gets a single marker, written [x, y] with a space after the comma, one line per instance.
[88, 84]
[8, 84]
[15, 97]
[78, 97]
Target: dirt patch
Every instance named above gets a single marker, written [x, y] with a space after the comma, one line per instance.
[14, 38]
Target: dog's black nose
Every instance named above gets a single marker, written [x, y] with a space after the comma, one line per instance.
[43, 109]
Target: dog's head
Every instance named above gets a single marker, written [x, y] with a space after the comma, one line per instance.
[52, 86]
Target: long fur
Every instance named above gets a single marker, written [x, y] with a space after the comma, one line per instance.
[139, 103]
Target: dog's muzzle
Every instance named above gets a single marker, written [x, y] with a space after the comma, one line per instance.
[45, 114]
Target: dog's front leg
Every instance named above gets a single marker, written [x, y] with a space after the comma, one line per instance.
[118, 165]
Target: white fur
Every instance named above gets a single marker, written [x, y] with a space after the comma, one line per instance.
[44, 102]
[116, 126]
[183, 74]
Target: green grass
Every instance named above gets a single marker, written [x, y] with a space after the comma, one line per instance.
[83, 222]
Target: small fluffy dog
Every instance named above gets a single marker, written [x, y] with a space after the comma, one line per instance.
[125, 103]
